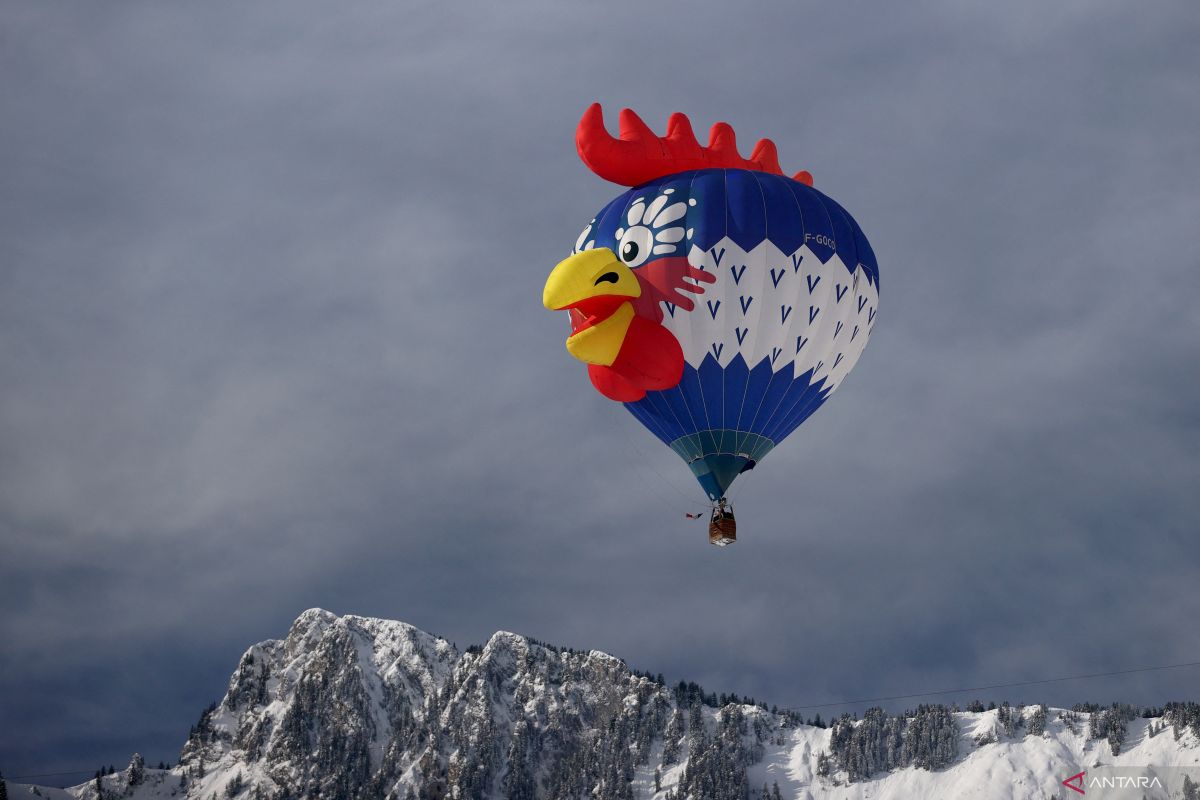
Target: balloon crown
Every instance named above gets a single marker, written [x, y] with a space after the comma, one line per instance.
[639, 155]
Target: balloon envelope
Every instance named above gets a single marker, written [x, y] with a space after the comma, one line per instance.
[793, 304]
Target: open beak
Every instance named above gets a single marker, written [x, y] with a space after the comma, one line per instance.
[596, 288]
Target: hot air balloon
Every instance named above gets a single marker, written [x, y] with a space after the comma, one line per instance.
[721, 301]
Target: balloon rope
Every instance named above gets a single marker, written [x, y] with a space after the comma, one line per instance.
[641, 461]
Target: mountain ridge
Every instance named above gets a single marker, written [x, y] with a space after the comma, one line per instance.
[361, 707]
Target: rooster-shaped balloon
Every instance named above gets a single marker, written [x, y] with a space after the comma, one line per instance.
[720, 300]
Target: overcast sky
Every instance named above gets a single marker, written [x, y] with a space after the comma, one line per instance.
[271, 338]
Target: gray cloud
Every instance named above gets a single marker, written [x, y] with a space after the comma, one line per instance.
[270, 339]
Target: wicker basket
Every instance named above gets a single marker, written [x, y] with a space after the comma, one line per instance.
[722, 531]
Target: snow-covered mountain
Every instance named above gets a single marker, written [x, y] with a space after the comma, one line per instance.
[352, 707]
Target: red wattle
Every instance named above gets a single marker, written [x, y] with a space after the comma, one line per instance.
[650, 359]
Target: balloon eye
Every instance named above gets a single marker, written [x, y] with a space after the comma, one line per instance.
[635, 245]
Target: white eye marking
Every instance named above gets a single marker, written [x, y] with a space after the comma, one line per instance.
[690, 232]
[638, 242]
[671, 214]
[635, 246]
[635, 212]
[654, 208]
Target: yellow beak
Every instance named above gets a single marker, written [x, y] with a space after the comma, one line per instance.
[592, 273]
[597, 288]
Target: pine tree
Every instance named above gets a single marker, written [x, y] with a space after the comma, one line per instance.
[3, 788]
[671, 737]
[1037, 722]
[1010, 718]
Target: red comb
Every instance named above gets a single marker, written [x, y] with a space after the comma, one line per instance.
[640, 156]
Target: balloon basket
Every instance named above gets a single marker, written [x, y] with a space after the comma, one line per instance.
[722, 529]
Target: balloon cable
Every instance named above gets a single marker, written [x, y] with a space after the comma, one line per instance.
[643, 461]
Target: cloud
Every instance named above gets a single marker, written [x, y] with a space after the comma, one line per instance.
[270, 339]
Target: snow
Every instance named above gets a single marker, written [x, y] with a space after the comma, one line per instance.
[1021, 767]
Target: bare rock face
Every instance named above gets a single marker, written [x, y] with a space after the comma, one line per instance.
[351, 707]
